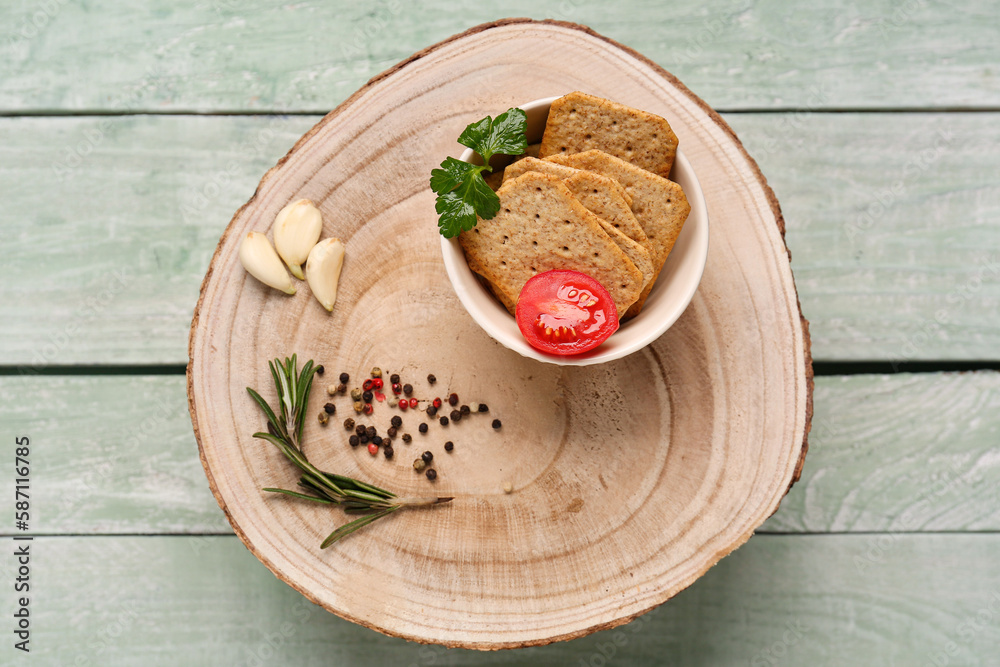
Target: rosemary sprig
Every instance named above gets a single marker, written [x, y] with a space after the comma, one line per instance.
[284, 427]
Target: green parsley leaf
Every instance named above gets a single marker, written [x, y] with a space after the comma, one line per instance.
[504, 135]
[460, 208]
[463, 196]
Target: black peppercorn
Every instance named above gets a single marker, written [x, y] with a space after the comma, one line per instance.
[363, 439]
[388, 451]
[397, 421]
[448, 446]
[483, 407]
[360, 429]
[391, 431]
[371, 431]
[422, 428]
[431, 474]
[407, 389]
[354, 440]
[496, 423]
[349, 424]
[367, 396]
[465, 409]
[427, 456]
[431, 379]
[377, 439]
[431, 410]
[344, 378]
[394, 378]
[320, 369]
[443, 421]
[456, 416]
[341, 388]
[330, 408]
[453, 399]
[407, 437]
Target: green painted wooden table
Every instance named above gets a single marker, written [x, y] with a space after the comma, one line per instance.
[129, 134]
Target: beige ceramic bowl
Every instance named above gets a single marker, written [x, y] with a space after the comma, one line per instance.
[671, 294]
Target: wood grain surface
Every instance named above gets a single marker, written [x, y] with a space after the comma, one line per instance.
[886, 453]
[716, 411]
[153, 194]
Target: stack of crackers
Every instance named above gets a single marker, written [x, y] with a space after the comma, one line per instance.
[597, 199]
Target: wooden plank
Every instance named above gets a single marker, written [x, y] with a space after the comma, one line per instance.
[110, 270]
[779, 600]
[901, 453]
[309, 56]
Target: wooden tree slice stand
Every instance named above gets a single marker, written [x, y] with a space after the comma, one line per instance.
[630, 479]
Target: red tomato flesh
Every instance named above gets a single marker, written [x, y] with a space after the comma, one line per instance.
[565, 312]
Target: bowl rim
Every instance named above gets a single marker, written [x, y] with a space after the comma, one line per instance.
[482, 306]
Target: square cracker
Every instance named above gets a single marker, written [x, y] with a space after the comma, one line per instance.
[541, 227]
[605, 198]
[658, 204]
[579, 122]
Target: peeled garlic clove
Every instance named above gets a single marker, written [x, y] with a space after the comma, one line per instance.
[259, 259]
[296, 230]
[323, 270]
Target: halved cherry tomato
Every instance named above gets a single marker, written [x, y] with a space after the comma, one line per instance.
[565, 312]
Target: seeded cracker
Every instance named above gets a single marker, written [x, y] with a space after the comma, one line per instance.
[579, 122]
[658, 204]
[541, 227]
[605, 198]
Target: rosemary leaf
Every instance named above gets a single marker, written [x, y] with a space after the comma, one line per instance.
[300, 495]
[349, 528]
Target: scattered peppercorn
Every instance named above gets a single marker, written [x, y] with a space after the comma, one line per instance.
[367, 384]
[341, 388]
[413, 403]
[330, 408]
[496, 423]
[432, 411]
[391, 432]
[422, 428]
[372, 449]
[431, 379]
[448, 446]
[508, 487]
[388, 451]
[403, 404]
[377, 383]
[396, 421]
[431, 474]
[354, 440]
[376, 372]
[394, 378]
[367, 396]
[419, 464]
[465, 409]
[349, 423]
[474, 407]
[371, 431]
[407, 437]
[345, 378]
[393, 402]
[324, 418]
[368, 408]
[377, 440]
[456, 416]
[396, 389]
[427, 456]
[363, 439]
[356, 394]
[360, 429]
[407, 389]
[331, 389]
[320, 369]
[443, 421]
[436, 402]
[453, 399]
[483, 407]
[358, 406]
